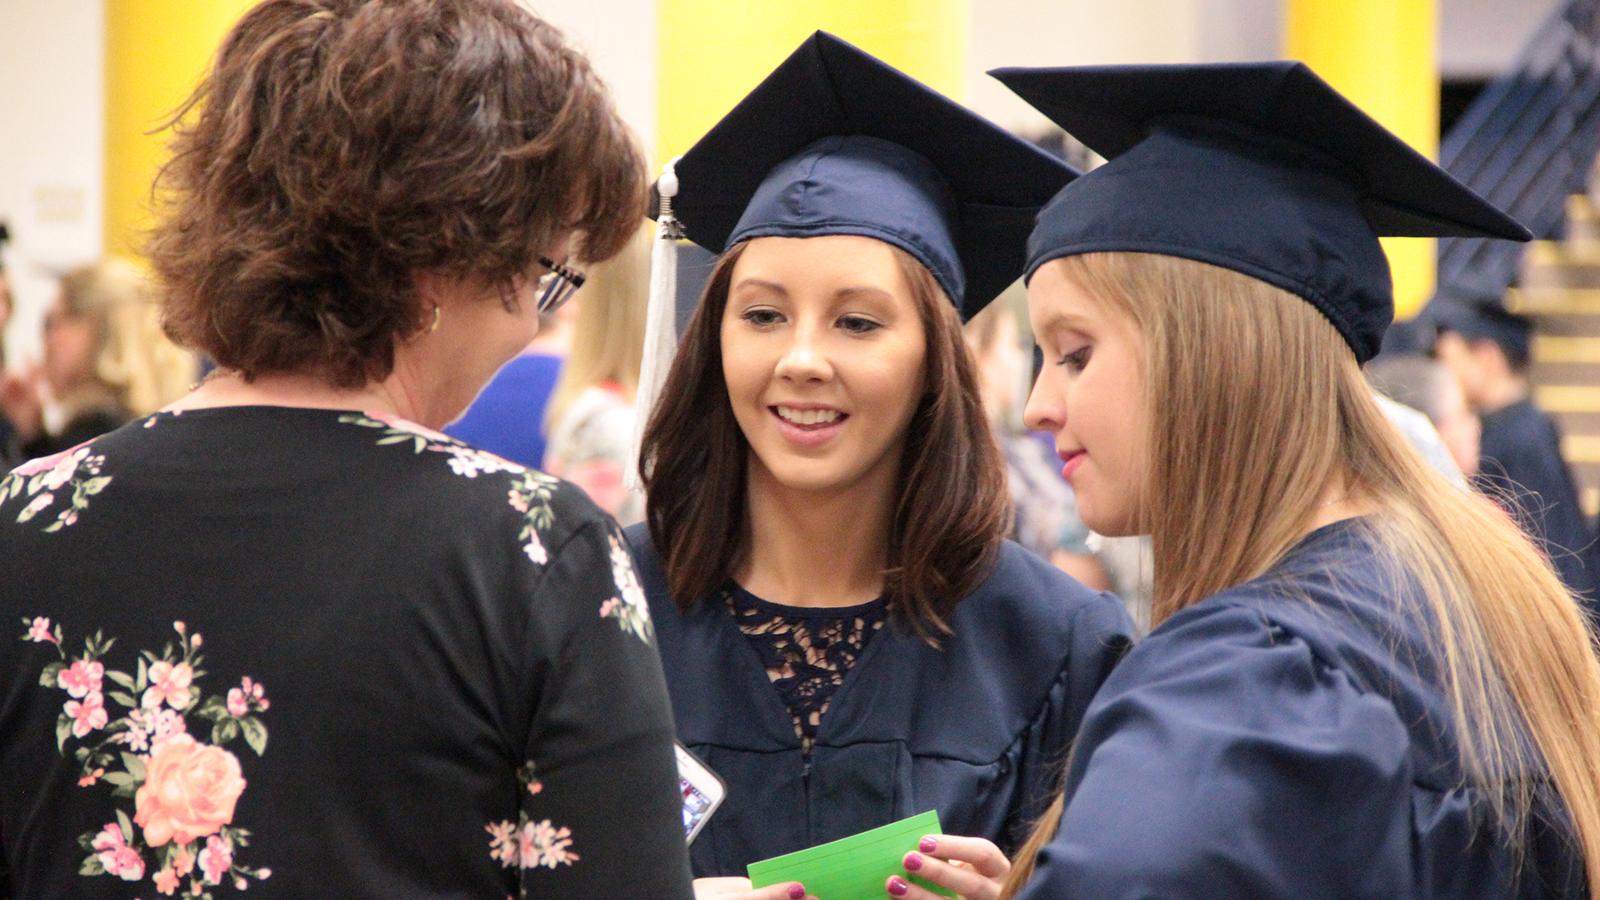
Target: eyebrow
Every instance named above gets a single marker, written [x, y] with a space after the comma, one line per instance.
[1061, 320]
[840, 294]
[760, 283]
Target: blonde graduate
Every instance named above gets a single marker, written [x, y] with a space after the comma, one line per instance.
[1243, 424]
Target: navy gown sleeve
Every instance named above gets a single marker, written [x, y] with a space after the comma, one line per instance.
[1212, 756]
[1101, 634]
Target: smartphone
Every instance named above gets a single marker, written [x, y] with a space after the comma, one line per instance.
[702, 792]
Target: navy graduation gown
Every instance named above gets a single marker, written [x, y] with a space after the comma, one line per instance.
[1283, 739]
[977, 730]
[1521, 459]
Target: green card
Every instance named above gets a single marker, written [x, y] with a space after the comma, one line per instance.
[852, 868]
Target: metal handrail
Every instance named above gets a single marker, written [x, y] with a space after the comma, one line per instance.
[1526, 142]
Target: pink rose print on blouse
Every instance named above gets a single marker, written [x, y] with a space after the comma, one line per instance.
[169, 684]
[39, 631]
[71, 476]
[189, 791]
[82, 678]
[88, 715]
[183, 790]
[247, 697]
[216, 859]
[113, 852]
[629, 606]
[529, 844]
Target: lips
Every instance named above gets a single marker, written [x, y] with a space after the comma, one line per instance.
[808, 426]
[1070, 461]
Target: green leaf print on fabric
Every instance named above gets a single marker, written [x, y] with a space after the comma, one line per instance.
[62, 483]
[531, 490]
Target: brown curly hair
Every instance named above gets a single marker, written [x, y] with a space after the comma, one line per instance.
[338, 147]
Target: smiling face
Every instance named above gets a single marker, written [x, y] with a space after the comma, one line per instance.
[1090, 395]
[823, 351]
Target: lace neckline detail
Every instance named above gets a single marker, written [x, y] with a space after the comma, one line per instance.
[806, 651]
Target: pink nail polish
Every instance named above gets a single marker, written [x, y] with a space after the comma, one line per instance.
[928, 845]
[898, 886]
[797, 891]
[912, 862]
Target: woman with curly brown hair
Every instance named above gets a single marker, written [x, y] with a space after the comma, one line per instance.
[370, 203]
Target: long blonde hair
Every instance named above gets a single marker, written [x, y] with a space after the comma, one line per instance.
[133, 365]
[1257, 406]
[608, 337]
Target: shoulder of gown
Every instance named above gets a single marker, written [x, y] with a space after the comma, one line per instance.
[1217, 754]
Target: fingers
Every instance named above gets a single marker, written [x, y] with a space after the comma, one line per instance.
[901, 889]
[790, 890]
[739, 889]
[964, 880]
[978, 853]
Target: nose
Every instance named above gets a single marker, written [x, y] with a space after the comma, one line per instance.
[1044, 411]
[804, 360]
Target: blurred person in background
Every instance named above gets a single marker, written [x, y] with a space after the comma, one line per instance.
[10, 452]
[509, 416]
[285, 635]
[106, 361]
[1488, 349]
[1046, 515]
[1422, 385]
[591, 415]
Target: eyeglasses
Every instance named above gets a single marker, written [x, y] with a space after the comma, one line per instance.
[557, 285]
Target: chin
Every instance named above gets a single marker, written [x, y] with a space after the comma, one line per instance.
[810, 479]
[1116, 523]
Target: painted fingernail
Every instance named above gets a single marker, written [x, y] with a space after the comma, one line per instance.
[898, 886]
[912, 862]
[928, 845]
[797, 891]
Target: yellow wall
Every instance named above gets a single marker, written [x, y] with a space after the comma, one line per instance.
[712, 52]
[156, 52]
[1383, 55]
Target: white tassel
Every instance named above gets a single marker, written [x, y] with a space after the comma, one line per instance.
[661, 326]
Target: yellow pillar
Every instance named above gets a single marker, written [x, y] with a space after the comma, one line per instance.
[712, 52]
[156, 52]
[1383, 55]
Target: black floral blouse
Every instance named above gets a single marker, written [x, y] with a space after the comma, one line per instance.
[317, 653]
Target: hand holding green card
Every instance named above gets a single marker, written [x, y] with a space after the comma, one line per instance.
[852, 868]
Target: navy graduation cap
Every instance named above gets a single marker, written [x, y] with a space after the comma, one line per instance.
[834, 141]
[1261, 168]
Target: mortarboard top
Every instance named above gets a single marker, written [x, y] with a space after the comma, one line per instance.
[1261, 168]
[1477, 315]
[834, 141]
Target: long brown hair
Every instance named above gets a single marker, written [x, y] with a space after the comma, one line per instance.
[951, 511]
[1256, 407]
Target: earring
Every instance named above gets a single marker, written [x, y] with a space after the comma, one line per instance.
[435, 326]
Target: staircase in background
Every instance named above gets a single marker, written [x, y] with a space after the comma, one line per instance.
[1560, 289]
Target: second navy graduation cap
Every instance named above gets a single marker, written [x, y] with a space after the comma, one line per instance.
[1261, 168]
[835, 141]
[1478, 315]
